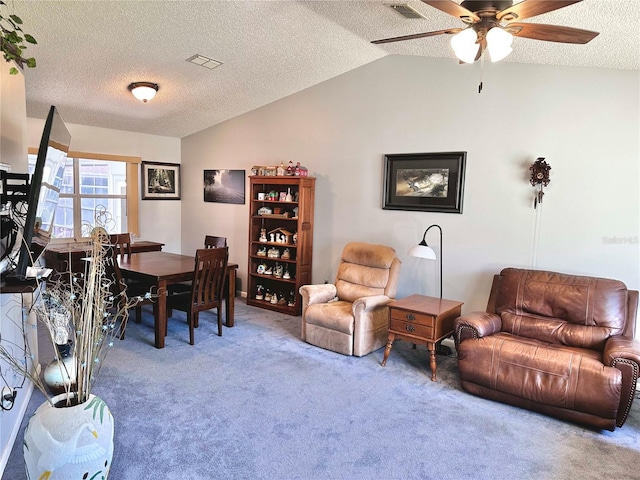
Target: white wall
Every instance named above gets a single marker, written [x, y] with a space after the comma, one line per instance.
[158, 218]
[585, 122]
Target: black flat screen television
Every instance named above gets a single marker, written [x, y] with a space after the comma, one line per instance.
[44, 192]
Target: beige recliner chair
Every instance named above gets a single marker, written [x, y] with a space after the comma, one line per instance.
[351, 317]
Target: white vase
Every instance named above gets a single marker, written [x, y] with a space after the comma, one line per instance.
[65, 443]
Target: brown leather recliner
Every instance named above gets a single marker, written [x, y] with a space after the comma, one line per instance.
[557, 344]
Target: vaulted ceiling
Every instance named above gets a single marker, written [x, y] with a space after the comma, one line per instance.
[89, 51]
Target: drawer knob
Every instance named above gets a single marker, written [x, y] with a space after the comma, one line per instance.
[411, 317]
[410, 328]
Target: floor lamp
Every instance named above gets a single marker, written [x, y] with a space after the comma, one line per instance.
[422, 250]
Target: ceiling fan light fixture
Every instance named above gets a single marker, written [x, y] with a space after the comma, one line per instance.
[465, 45]
[143, 91]
[499, 43]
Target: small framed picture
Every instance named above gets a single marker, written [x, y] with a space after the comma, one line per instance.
[160, 181]
[224, 186]
[427, 182]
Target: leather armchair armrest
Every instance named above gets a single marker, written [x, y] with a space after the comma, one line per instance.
[618, 348]
[317, 293]
[366, 304]
[623, 353]
[476, 325]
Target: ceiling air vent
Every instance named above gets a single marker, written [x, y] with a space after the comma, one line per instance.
[406, 11]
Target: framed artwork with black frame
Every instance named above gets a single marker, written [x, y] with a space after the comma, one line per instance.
[160, 181]
[426, 182]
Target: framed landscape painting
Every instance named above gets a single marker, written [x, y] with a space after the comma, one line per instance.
[427, 182]
[160, 181]
[224, 186]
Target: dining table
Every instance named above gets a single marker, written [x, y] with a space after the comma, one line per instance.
[164, 269]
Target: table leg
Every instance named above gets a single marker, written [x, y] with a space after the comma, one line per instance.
[432, 360]
[230, 300]
[160, 314]
[387, 349]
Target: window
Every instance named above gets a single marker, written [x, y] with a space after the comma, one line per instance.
[92, 180]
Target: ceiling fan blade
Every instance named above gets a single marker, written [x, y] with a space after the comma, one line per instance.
[449, 31]
[452, 8]
[531, 8]
[551, 33]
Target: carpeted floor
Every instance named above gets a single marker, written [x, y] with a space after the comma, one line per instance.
[258, 403]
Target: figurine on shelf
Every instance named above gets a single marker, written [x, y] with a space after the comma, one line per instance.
[290, 168]
[281, 170]
[286, 254]
[292, 299]
[262, 268]
[281, 299]
[283, 196]
[268, 271]
[274, 299]
[277, 271]
[262, 252]
[259, 292]
[296, 170]
[288, 197]
[295, 198]
[272, 237]
[267, 296]
[295, 238]
[286, 275]
[263, 235]
[273, 253]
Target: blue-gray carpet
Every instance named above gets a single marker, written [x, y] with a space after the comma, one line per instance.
[258, 403]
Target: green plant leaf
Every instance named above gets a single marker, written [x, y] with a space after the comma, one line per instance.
[31, 62]
[30, 39]
[13, 71]
[16, 19]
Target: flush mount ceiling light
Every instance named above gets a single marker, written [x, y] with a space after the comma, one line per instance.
[144, 91]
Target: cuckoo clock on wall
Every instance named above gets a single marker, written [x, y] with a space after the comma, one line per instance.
[539, 178]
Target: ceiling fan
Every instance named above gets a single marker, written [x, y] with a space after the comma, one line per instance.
[491, 25]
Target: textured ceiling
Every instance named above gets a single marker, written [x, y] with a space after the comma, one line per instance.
[89, 51]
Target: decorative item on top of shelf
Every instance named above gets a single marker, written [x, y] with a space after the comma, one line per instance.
[161, 181]
[280, 235]
[540, 178]
[273, 252]
[280, 171]
[264, 211]
[224, 186]
[300, 171]
[263, 235]
[270, 171]
[291, 169]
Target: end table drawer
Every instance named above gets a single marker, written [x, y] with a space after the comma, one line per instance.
[410, 328]
[412, 317]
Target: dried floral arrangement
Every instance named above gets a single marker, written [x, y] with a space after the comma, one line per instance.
[82, 311]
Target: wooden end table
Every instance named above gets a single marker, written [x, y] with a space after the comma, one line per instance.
[424, 320]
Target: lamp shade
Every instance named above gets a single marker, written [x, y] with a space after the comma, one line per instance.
[499, 43]
[143, 91]
[422, 251]
[465, 46]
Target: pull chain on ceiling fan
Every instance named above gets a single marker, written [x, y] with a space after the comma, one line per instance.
[491, 26]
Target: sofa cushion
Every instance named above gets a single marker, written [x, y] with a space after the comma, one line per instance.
[333, 315]
[558, 308]
[548, 374]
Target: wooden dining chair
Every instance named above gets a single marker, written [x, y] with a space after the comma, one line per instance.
[206, 288]
[123, 290]
[211, 241]
[121, 243]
